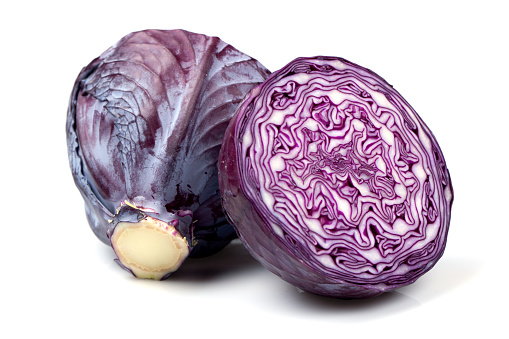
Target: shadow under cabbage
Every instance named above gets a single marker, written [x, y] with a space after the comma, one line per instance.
[233, 259]
[447, 276]
[386, 304]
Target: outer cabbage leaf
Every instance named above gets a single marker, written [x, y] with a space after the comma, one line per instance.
[334, 182]
[144, 128]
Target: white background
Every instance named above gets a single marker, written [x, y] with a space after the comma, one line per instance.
[447, 58]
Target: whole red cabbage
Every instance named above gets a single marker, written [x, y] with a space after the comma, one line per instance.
[144, 129]
[334, 182]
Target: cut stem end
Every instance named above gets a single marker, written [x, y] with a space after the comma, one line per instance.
[150, 248]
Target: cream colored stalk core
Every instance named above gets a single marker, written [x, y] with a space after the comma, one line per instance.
[150, 248]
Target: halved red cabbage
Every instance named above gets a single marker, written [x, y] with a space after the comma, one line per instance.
[334, 182]
[144, 127]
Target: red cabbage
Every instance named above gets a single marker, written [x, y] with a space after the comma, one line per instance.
[144, 128]
[333, 182]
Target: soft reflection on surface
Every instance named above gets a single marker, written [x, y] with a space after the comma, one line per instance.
[233, 276]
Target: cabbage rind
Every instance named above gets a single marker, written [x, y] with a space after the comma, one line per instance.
[334, 182]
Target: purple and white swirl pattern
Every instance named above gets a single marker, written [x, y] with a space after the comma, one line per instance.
[346, 174]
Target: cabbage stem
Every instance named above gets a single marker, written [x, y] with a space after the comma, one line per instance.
[149, 248]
